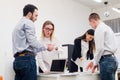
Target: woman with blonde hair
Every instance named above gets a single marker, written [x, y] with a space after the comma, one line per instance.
[45, 58]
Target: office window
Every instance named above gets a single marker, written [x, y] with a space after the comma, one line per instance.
[114, 24]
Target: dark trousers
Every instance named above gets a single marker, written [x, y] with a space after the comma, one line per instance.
[25, 68]
[108, 67]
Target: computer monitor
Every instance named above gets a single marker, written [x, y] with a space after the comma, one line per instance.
[58, 65]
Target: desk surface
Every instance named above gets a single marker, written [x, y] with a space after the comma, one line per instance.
[69, 76]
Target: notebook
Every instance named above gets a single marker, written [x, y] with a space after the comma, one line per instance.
[58, 66]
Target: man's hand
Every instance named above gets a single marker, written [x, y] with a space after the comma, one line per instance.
[50, 47]
[92, 67]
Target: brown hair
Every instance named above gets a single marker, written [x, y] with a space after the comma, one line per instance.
[47, 23]
[94, 16]
[91, 43]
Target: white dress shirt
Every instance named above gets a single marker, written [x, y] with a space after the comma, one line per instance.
[85, 48]
[84, 62]
[104, 41]
[45, 58]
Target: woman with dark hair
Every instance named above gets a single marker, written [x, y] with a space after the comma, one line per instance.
[83, 51]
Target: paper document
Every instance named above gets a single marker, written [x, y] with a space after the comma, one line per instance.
[78, 62]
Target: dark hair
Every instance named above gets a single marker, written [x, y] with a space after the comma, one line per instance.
[29, 8]
[91, 43]
[90, 32]
[94, 16]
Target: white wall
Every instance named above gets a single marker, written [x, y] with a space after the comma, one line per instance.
[70, 19]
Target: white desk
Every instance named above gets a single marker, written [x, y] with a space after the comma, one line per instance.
[69, 76]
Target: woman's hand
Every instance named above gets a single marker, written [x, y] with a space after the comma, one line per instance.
[92, 67]
[81, 58]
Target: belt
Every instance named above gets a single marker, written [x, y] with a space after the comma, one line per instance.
[24, 53]
[108, 55]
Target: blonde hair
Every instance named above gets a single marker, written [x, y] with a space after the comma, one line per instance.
[44, 24]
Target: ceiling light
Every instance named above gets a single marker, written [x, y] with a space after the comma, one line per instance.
[99, 1]
[106, 14]
[115, 9]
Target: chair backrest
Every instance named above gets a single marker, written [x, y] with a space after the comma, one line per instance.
[70, 51]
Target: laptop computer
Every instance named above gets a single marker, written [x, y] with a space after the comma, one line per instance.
[58, 66]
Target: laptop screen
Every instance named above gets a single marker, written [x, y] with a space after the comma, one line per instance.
[58, 65]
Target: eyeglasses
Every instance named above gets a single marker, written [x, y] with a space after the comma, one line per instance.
[48, 29]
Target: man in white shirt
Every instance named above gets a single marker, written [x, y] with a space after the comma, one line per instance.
[105, 49]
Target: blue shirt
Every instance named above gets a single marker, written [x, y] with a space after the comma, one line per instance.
[23, 37]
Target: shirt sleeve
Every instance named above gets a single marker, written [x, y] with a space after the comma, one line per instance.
[41, 62]
[77, 49]
[31, 38]
[99, 43]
